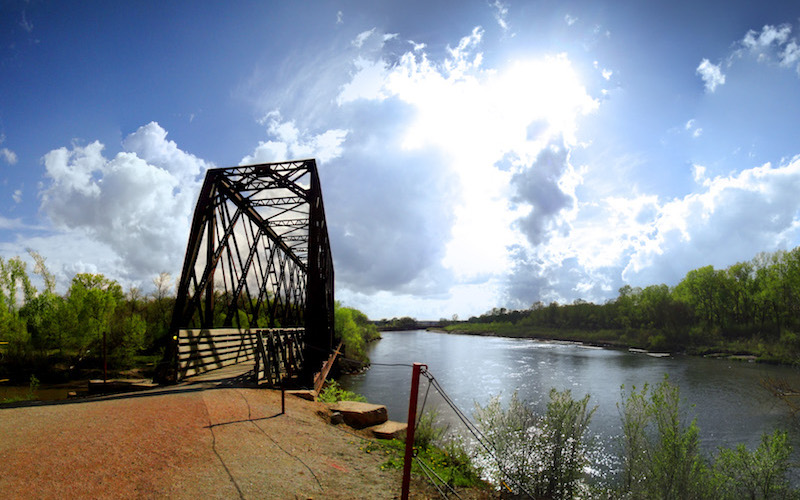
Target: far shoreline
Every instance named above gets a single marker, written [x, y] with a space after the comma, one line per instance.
[621, 346]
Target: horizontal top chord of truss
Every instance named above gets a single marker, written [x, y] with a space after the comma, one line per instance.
[258, 253]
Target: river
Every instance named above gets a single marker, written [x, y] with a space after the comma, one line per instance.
[724, 396]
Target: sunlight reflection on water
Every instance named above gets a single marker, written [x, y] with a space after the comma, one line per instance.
[725, 396]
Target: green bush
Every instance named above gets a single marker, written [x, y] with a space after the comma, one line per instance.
[660, 452]
[543, 455]
[740, 473]
[427, 432]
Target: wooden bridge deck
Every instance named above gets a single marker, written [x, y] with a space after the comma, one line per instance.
[238, 372]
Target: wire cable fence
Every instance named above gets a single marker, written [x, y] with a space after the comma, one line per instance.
[442, 486]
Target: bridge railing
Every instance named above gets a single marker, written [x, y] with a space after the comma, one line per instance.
[276, 351]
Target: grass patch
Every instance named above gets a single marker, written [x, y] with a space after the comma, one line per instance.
[333, 393]
[451, 461]
[30, 396]
[449, 458]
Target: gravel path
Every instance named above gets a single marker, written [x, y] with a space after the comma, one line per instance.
[187, 442]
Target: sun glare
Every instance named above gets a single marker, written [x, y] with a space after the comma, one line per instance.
[480, 117]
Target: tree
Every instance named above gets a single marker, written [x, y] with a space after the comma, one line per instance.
[159, 311]
[90, 305]
[354, 329]
[12, 327]
[41, 269]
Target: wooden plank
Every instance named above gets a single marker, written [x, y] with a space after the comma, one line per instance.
[206, 360]
[247, 344]
[190, 368]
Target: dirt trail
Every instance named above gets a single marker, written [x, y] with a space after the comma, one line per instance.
[187, 442]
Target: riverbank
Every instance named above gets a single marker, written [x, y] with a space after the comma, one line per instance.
[618, 339]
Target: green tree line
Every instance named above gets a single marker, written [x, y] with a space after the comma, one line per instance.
[57, 336]
[750, 307]
[354, 330]
[60, 336]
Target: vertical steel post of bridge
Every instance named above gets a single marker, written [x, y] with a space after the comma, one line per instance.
[319, 319]
[258, 256]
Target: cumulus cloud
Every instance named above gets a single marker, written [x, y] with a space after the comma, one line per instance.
[769, 45]
[732, 218]
[767, 37]
[17, 196]
[539, 186]
[439, 165]
[137, 204]
[642, 240]
[711, 74]
[9, 156]
[292, 144]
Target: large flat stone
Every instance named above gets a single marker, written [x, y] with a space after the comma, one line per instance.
[307, 394]
[360, 415]
[390, 430]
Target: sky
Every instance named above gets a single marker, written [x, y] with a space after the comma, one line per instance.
[472, 154]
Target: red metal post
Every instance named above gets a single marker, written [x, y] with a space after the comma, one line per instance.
[412, 419]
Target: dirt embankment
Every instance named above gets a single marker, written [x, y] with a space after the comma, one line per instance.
[188, 442]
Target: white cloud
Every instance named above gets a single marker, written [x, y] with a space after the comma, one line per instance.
[366, 83]
[339, 17]
[699, 173]
[731, 219]
[768, 36]
[643, 240]
[6, 223]
[692, 127]
[570, 20]
[17, 196]
[9, 156]
[501, 14]
[363, 37]
[476, 117]
[790, 54]
[292, 144]
[771, 45]
[137, 205]
[711, 74]
[417, 47]
[442, 146]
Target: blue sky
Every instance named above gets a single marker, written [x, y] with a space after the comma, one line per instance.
[472, 154]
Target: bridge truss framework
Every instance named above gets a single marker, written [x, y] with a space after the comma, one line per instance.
[259, 257]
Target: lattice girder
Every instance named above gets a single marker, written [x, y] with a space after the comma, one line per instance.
[259, 256]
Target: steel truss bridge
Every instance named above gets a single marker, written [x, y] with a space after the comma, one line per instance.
[257, 278]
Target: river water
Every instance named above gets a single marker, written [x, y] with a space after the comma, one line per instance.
[724, 396]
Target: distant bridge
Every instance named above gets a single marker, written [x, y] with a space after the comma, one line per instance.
[257, 278]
